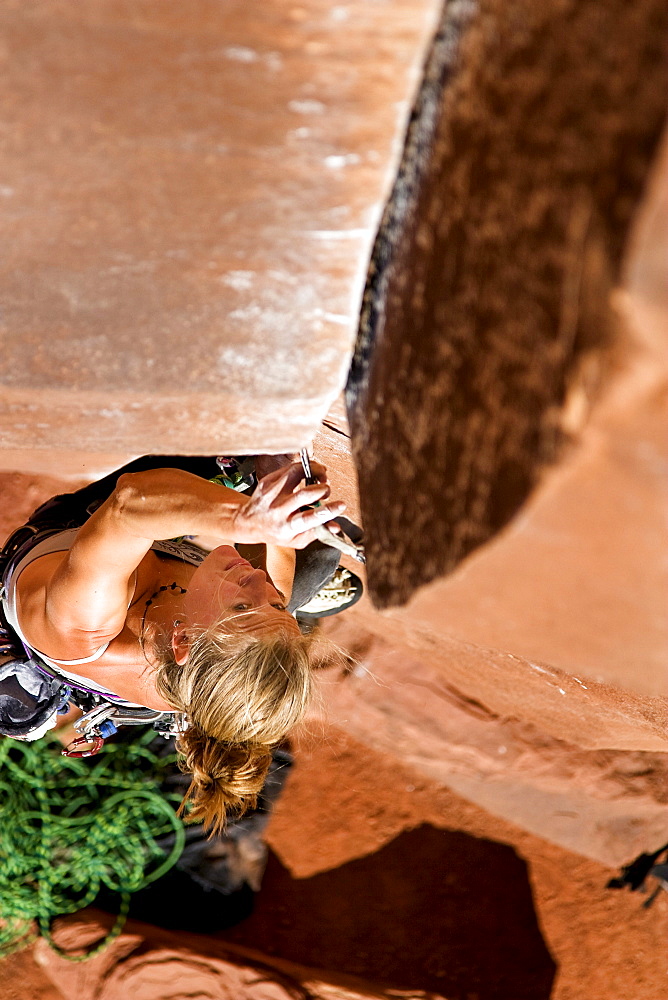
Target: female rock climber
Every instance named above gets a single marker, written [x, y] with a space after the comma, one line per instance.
[166, 625]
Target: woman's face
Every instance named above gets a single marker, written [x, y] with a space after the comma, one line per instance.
[226, 587]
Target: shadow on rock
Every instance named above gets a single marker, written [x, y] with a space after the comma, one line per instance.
[433, 910]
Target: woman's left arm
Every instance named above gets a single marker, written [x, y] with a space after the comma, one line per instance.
[166, 503]
[84, 601]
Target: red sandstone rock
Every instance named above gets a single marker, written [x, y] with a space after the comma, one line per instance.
[427, 705]
[401, 842]
[145, 963]
[22, 977]
[323, 887]
[189, 195]
[363, 805]
[487, 324]
[559, 621]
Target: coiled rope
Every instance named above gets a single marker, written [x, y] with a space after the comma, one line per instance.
[72, 827]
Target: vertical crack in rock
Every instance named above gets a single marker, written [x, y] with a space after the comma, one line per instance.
[486, 316]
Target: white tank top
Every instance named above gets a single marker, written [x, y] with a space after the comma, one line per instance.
[62, 542]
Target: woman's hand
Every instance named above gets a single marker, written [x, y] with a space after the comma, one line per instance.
[273, 515]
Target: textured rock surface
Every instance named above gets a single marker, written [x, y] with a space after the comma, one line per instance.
[390, 878]
[488, 306]
[362, 803]
[494, 746]
[148, 964]
[189, 195]
[429, 705]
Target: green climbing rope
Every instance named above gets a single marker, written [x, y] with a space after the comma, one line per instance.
[71, 827]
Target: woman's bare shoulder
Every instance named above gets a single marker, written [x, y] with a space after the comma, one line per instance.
[36, 575]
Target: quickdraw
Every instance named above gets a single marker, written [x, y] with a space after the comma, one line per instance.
[95, 742]
[104, 720]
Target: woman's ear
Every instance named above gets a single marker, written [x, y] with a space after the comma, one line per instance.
[180, 644]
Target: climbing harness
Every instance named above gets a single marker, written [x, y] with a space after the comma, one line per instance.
[70, 829]
[104, 720]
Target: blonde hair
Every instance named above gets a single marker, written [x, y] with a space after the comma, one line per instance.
[241, 692]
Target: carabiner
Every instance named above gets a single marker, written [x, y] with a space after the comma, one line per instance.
[96, 743]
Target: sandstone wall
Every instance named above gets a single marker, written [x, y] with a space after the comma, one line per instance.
[188, 198]
[191, 198]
